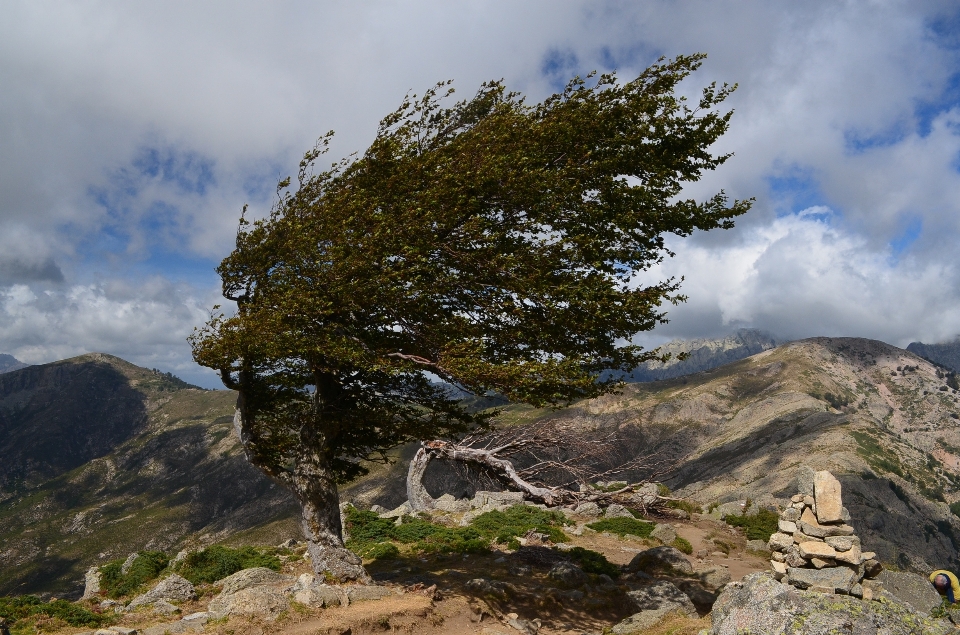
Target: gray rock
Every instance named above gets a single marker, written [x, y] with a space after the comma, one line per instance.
[661, 595]
[172, 589]
[735, 508]
[911, 589]
[162, 607]
[664, 533]
[125, 567]
[255, 576]
[780, 541]
[404, 509]
[361, 593]
[447, 503]
[492, 588]
[321, 595]
[91, 583]
[617, 511]
[484, 499]
[714, 577]
[589, 509]
[790, 514]
[760, 605]
[567, 575]
[805, 478]
[196, 618]
[760, 546]
[839, 579]
[842, 543]
[787, 526]
[645, 495]
[641, 622]
[701, 597]
[259, 601]
[663, 558]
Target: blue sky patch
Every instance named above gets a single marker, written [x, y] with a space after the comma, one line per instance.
[794, 190]
[907, 237]
[189, 171]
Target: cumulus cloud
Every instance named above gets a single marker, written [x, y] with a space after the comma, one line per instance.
[133, 134]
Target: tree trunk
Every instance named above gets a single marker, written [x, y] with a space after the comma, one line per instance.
[316, 490]
[418, 496]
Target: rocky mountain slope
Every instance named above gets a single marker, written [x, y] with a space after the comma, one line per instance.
[881, 418]
[102, 458]
[946, 354]
[9, 363]
[705, 354]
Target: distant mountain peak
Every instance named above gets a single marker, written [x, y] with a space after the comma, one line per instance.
[9, 363]
[945, 354]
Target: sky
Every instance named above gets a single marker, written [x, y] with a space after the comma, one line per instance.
[131, 135]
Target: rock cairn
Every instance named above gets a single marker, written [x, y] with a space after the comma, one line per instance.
[815, 547]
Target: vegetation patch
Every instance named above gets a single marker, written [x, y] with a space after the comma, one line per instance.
[623, 526]
[683, 545]
[145, 568]
[874, 454]
[217, 562]
[593, 562]
[759, 526]
[13, 609]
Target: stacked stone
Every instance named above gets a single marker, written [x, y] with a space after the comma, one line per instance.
[815, 547]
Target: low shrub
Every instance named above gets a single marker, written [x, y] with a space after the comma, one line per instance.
[367, 526]
[955, 508]
[687, 506]
[623, 526]
[515, 521]
[381, 551]
[593, 562]
[683, 545]
[13, 609]
[217, 562]
[759, 526]
[145, 568]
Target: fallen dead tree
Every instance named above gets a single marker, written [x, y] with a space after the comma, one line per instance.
[552, 464]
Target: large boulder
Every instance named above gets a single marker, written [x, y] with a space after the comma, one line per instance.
[836, 579]
[259, 601]
[567, 575]
[172, 589]
[660, 559]
[760, 605]
[617, 511]
[911, 589]
[255, 576]
[661, 595]
[91, 583]
[664, 533]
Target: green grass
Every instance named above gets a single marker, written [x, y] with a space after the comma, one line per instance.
[683, 545]
[145, 568]
[760, 526]
[13, 609]
[375, 538]
[217, 562]
[623, 526]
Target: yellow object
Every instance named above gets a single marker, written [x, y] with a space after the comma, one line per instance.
[953, 581]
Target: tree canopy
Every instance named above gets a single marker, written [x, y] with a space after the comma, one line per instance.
[491, 245]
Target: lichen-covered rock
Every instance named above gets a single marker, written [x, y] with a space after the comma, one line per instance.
[321, 595]
[834, 578]
[448, 503]
[91, 583]
[911, 589]
[259, 601]
[760, 605]
[714, 577]
[567, 575]
[617, 511]
[641, 622]
[172, 589]
[255, 576]
[664, 533]
[589, 509]
[660, 559]
[661, 595]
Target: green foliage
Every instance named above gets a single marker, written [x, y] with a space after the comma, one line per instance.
[381, 551]
[875, 455]
[759, 526]
[517, 520]
[493, 243]
[17, 608]
[623, 526]
[593, 562]
[366, 526]
[217, 562]
[955, 508]
[145, 568]
[683, 545]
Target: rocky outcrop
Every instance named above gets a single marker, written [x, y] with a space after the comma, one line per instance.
[663, 559]
[760, 605]
[172, 589]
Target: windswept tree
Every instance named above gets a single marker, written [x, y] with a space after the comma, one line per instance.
[491, 245]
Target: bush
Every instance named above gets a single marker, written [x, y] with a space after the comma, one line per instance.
[17, 608]
[760, 526]
[217, 562]
[413, 530]
[955, 508]
[367, 526]
[593, 562]
[683, 545]
[145, 568]
[518, 520]
[687, 506]
[382, 551]
[459, 540]
[623, 526]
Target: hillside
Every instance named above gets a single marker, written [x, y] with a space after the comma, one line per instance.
[704, 354]
[9, 363]
[881, 418]
[103, 458]
[946, 354]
